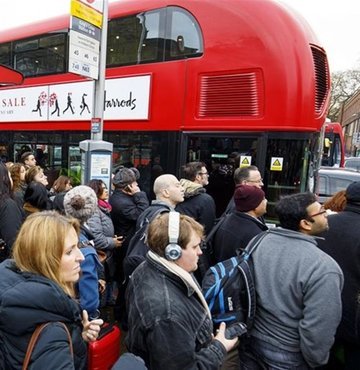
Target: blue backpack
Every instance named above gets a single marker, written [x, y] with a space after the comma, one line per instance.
[229, 288]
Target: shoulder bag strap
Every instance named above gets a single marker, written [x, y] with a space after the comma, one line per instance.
[34, 338]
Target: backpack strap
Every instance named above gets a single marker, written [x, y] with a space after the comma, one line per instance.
[34, 338]
[254, 242]
[208, 246]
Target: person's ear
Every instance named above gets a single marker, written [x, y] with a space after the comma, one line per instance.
[305, 224]
[166, 193]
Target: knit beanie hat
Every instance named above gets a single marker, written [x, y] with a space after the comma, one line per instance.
[247, 197]
[353, 192]
[124, 177]
[80, 202]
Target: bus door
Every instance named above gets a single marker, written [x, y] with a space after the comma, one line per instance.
[290, 166]
[285, 160]
[222, 154]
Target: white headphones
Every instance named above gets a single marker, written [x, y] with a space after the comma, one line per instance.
[173, 250]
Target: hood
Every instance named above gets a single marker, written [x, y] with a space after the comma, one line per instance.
[191, 188]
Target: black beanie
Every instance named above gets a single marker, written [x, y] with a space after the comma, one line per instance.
[353, 192]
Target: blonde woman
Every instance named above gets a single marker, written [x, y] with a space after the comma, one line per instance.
[37, 287]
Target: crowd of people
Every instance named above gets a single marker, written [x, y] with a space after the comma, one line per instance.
[68, 252]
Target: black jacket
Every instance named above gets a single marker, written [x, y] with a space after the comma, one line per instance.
[342, 242]
[28, 300]
[11, 219]
[198, 204]
[235, 233]
[125, 211]
[168, 326]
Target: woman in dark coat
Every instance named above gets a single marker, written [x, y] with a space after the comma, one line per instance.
[11, 216]
[37, 287]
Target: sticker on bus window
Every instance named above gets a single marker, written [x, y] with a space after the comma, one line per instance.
[276, 163]
[245, 161]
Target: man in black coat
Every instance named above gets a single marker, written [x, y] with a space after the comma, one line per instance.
[342, 242]
[242, 225]
[197, 203]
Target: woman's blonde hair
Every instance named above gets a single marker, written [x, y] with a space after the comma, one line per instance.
[39, 245]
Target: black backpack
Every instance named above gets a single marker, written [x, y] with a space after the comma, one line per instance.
[229, 288]
[137, 247]
[208, 247]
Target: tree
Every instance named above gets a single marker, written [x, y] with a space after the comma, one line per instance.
[343, 85]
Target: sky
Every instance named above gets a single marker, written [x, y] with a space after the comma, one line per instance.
[334, 22]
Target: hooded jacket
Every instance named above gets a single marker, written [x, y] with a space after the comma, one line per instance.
[197, 204]
[28, 300]
[298, 293]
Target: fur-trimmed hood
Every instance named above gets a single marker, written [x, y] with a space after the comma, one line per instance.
[191, 188]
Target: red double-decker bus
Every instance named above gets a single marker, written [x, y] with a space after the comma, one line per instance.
[186, 80]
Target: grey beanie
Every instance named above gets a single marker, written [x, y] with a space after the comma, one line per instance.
[80, 202]
[123, 177]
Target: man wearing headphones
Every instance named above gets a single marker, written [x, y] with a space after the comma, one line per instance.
[169, 321]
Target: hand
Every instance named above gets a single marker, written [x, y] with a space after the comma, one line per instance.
[91, 329]
[102, 286]
[227, 343]
[118, 240]
[132, 189]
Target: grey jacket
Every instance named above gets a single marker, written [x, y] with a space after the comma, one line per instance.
[298, 295]
[102, 228]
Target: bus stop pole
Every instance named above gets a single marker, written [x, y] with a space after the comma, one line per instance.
[96, 154]
[99, 93]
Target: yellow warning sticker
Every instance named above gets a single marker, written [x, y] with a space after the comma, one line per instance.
[276, 164]
[245, 161]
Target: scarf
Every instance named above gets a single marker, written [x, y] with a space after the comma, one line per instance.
[183, 275]
[103, 204]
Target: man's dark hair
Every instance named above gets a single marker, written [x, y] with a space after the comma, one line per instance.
[192, 169]
[291, 209]
[25, 156]
[243, 173]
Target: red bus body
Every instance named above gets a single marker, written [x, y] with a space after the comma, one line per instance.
[259, 87]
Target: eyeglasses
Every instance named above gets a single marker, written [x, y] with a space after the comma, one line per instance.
[321, 212]
[255, 181]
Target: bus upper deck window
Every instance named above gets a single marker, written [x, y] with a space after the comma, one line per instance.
[183, 38]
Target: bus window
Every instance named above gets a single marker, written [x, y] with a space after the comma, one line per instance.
[298, 156]
[135, 39]
[5, 54]
[40, 56]
[185, 37]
